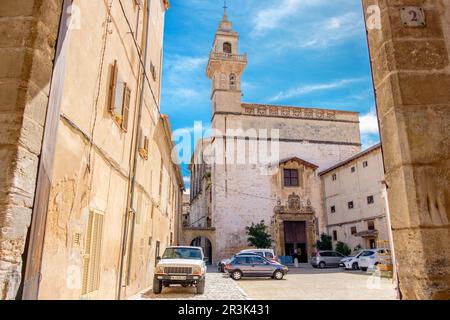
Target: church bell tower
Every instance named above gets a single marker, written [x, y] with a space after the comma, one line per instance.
[225, 68]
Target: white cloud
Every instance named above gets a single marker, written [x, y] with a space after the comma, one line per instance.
[327, 32]
[198, 127]
[187, 64]
[369, 123]
[184, 80]
[271, 17]
[369, 140]
[302, 90]
[369, 129]
[186, 180]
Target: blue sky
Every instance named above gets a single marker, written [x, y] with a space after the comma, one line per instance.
[309, 53]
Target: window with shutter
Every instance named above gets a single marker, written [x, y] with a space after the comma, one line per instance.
[143, 145]
[119, 98]
[126, 107]
[91, 260]
[112, 87]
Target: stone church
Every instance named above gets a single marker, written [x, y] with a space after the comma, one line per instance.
[227, 196]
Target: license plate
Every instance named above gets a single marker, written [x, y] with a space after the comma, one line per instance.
[178, 278]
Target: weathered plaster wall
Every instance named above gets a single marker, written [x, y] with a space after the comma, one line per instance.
[94, 157]
[28, 32]
[200, 187]
[412, 79]
[356, 186]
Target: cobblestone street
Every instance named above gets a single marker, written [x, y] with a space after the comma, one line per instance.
[218, 287]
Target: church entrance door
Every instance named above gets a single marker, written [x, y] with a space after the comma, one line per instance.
[295, 243]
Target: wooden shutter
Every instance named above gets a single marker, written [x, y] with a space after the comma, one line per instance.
[87, 255]
[112, 86]
[91, 261]
[140, 138]
[126, 107]
[146, 142]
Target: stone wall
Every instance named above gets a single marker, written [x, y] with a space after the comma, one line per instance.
[28, 33]
[412, 80]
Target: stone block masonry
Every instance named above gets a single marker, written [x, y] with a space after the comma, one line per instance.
[28, 34]
[412, 78]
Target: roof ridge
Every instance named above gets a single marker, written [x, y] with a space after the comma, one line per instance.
[350, 159]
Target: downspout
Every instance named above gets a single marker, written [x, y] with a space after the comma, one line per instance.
[130, 197]
[391, 239]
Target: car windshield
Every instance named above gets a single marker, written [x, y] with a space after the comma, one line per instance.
[182, 253]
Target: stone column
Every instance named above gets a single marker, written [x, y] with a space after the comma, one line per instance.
[28, 34]
[410, 62]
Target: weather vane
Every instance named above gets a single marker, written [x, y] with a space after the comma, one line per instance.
[225, 5]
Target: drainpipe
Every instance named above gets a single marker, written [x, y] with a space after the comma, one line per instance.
[391, 240]
[130, 198]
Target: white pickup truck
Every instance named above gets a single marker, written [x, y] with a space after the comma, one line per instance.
[180, 265]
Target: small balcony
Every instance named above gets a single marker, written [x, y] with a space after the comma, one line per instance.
[216, 58]
[228, 56]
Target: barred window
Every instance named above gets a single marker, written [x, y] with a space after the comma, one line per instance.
[291, 178]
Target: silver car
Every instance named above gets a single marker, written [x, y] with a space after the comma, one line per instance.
[323, 259]
[255, 266]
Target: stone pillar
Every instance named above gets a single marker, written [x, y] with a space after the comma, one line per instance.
[28, 34]
[411, 71]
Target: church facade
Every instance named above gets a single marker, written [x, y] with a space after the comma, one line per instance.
[286, 190]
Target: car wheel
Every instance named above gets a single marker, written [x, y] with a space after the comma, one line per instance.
[322, 265]
[236, 275]
[364, 269]
[157, 286]
[355, 266]
[201, 286]
[278, 275]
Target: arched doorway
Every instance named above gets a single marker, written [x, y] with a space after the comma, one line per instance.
[205, 244]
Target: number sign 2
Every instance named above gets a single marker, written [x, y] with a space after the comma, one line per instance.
[413, 17]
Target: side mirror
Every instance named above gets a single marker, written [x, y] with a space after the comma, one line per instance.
[158, 258]
[206, 259]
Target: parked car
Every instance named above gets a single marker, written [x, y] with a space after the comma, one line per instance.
[364, 259]
[250, 265]
[370, 258]
[326, 258]
[266, 253]
[351, 262]
[222, 263]
[180, 265]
